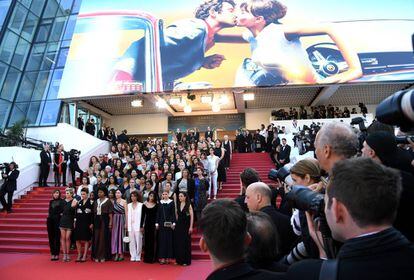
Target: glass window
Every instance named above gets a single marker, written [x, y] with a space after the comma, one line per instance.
[4, 112]
[30, 27]
[50, 56]
[27, 86]
[18, 18]
[70, 27]
[37, 7]
[33, 113]
[10, 84]
[76, 6]
[50, 112]
[63, 55]
[56, 32]
[44, 30]
[26, 3]
[8, 45]
[36, 57]
[54, 84]
[65, 44]
[3, 72]
[66, 6]
[41, 83]
[51, 8]
[18, 113]
[20, 54]
[4, 8]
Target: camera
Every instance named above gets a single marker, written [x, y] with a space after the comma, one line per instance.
[303, 198]
[74, 155]
[404, 139]
[4, 167]
[283, 174]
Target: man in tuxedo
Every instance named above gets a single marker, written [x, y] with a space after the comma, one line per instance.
[102, 134]
[259, 198]
[208, 133]
[284, 155]
[241, 142]
[361, 203]
[90, 127]
[9, 186]
[179, 135]
[123, 138]
[225, 238]
[80, 123]
[45, 163]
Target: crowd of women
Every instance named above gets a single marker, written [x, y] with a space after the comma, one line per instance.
[143, 196]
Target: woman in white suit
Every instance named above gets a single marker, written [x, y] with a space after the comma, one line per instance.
[135, 226]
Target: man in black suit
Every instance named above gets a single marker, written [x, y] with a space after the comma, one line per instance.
[259, 198]
[45, 162]
[241, 142]
[208, 133]
[9, 186]
[90, 127]
[179, 135]
[225, 238]
[247, 177]
[123, 138]
[361, 204]
[284, 154]
[80, 123]
[102, 134]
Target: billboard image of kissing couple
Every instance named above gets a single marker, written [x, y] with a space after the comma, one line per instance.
[128, 46]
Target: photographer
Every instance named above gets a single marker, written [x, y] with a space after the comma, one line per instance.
[361, 203]
[382, 147]
[73, 165]
[45, 163]
[9, 186]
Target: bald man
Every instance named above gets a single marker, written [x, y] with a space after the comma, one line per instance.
[335, 141]
[258, 198]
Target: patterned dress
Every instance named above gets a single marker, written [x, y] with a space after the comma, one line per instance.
[118, 229]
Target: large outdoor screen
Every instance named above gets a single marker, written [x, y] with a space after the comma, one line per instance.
[128, 46]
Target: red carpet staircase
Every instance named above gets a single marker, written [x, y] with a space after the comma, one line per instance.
[24, 230]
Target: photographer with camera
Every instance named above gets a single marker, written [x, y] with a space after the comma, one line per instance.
[73, 165]
[361, 203]
[9, 175]
[45, 163]
[381, 146]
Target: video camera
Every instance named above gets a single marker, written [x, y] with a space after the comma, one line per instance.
[283, 174]
[74, 155]
[5, 167]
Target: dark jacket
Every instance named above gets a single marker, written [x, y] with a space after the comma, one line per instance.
[383, 255]
[240, 200]
[284, 229]
[403, 222]
[242, 270]
[102, 134]
[285, 153]
[45, 158]
[10, 182]
[190, 187]
[208, 134]
[90, 128]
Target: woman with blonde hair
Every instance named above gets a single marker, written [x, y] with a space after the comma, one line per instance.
[67, 222]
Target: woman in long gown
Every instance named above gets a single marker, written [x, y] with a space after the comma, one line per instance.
[228, 147]
[165, 225]
[149, 210]
[200, 192]
[53, 221]
[103, 211]
[183, 230]
[221, 170]
[83, 224]
[118, 227]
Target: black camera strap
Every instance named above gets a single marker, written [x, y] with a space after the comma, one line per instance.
[329, 270]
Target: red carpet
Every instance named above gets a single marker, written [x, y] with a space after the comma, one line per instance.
[24, 231]
[38, 266]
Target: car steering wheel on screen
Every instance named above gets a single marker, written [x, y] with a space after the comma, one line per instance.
[326, 59]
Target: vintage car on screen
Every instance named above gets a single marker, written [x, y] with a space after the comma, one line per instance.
[383, 46]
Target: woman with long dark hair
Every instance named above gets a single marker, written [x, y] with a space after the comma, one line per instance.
[53, 220]
[149, 212]
[183, 230]
[200, 192]
[220, 152]
[103, 211]
[118, 226]
[135, 226]
[83, 224]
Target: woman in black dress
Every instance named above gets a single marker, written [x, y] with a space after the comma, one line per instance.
[200, 192]
[228, 147]
[66, 222]
[165, 225]
[83, 224]
[183, 230]
[53, 221]
[220, 152]
[149, 210]
[102, 225]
